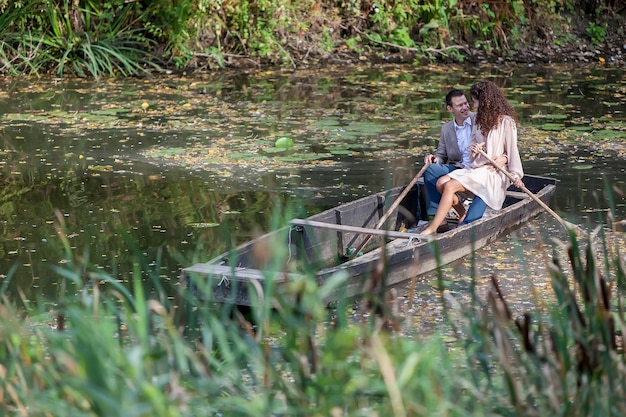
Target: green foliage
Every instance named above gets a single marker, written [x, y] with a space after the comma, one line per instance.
[91, 40]
[12, 18]
[596, 32]
[120, 37]
[109, 349]
[353, 43]
[169, 23]
[551, 19]
[328, 43]
[257, 28]
[401, 37]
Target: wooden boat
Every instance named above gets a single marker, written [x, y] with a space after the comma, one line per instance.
[319, 246]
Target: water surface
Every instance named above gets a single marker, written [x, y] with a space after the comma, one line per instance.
[177, 169]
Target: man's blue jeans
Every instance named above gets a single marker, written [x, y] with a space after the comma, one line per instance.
[431, 175]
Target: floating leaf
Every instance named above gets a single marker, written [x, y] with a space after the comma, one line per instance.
[274, 150]
[340, 151]
[105, 168]
[612, 135]
[326, 124]
[554, 116]
[157, 153]
[243, 156]
[553, 126]
[580, 128]
[284, 143]
[202, 225]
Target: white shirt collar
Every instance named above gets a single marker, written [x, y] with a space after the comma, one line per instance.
[466, 122]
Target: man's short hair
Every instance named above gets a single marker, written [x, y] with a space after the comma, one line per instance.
[451, 94]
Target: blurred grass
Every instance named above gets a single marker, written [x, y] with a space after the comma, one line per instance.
[106, 350]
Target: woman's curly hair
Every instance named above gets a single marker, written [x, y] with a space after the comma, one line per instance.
[492, 105]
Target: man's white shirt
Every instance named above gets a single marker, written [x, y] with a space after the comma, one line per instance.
[463, 135]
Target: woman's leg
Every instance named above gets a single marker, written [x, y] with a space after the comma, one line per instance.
[448, 200]
[441, 183]
[457, 204]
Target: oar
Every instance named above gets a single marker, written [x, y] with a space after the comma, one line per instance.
[567, 225]
[390, 210]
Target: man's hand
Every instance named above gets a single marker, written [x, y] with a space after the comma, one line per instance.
[430, 159]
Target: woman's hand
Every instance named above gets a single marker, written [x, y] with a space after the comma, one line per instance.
[475, 148]
[517, 181]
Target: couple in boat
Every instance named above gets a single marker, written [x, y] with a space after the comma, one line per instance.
[460, 167]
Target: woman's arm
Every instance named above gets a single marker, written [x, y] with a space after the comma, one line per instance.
[514, 160]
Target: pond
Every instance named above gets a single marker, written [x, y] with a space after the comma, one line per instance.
[175, 169]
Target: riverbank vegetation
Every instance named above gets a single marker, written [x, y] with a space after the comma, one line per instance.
[121, 37]
[107, 348]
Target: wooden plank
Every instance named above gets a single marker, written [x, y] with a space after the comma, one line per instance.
[227, 272]
[322, 243]
[517, 194]
[365, 214]
[341, 249]
[359, 230]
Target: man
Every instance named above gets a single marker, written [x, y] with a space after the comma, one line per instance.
[452, 153]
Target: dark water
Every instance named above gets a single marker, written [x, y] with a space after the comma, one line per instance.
[77, 161]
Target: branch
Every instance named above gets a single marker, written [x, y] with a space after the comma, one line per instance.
[406, 48]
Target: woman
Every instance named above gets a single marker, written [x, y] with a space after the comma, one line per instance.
[495, 132]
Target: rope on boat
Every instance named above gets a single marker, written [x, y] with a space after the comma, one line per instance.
[413, 240]
[224, 280]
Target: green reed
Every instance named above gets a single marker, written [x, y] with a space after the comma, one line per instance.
[567, 358]
[148, 347]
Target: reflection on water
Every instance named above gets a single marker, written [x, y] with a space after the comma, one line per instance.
[77, 156]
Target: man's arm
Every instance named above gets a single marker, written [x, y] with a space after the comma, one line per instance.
[448, 149]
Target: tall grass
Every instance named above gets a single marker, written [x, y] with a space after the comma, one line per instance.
[567, 358]
[147, 348]
[77, 38]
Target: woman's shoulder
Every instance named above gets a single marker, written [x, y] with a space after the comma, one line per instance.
[507, 119]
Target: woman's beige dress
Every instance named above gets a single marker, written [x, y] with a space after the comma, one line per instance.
[480, 177]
